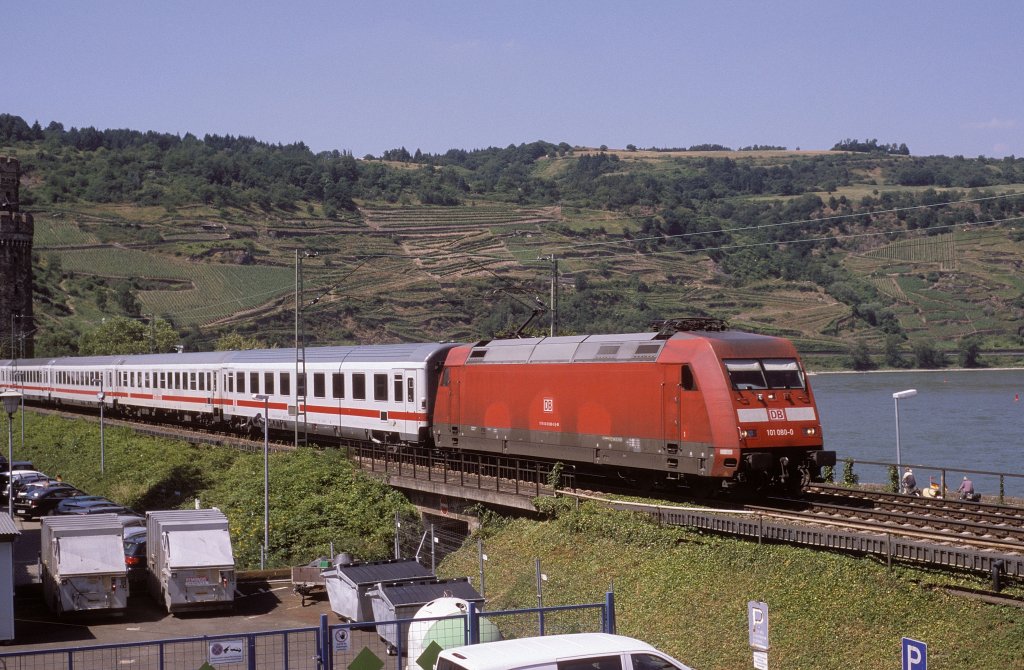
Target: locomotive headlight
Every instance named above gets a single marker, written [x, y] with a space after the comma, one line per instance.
[810, 432]
[747, 433]
[771, 396]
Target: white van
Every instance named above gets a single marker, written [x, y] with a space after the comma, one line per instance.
[581, 651]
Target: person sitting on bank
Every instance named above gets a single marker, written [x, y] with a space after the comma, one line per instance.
[966, 490]
[909, 482]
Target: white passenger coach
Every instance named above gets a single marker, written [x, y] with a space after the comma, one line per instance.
[378, 392]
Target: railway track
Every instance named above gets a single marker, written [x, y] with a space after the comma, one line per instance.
[954, 522]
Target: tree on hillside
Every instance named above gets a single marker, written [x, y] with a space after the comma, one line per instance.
[238, 342]
[969, 352]
[893, 354]
[928, 357]
[860, 357]
[120, 335]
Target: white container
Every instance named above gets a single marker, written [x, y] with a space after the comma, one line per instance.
[190, 560]
[83, 564]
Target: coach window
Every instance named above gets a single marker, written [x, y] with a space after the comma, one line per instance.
[202, 381]
[359, 386]
[286, 383]
[338, 384]
[410, 389]
[319, 388]
[229, 383]
[300, 385]
[380, 387]
[240, 381]
[177, 381]
[268, 383]
[397, 385]
[254, 382]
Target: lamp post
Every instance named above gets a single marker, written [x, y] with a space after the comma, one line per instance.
[266, 475]
[101, 396]
[896, 397]
[11, 400]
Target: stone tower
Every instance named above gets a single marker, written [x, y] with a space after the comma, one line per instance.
[16, 229]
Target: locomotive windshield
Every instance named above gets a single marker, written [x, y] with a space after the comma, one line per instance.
[768, 373]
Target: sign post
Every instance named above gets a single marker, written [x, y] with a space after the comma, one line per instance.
[757, 628]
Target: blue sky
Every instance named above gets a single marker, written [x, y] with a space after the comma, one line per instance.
[944, 77]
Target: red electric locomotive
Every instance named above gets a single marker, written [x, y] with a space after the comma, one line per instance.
[704, 407]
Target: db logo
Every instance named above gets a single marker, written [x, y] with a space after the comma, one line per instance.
[776, 415]
[549, 405]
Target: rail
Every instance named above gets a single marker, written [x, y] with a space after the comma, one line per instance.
[755, 526]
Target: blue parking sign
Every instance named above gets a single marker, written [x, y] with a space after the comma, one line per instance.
[915, 655]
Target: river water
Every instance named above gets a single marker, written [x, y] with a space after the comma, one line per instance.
[959, 420]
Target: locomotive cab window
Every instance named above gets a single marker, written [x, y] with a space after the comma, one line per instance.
[687, 380]
[783, 373]
[770, 373]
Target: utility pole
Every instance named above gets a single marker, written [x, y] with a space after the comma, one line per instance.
[554, 295]
[300, 354]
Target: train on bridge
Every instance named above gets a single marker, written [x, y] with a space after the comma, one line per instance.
[693, 405]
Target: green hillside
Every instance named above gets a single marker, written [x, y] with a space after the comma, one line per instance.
[906, 260]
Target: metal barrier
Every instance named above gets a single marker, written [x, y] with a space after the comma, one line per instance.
[349, 646]
[753, 526]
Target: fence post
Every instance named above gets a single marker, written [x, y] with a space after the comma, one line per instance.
[325, 660]
[609, 612]
[473, 619]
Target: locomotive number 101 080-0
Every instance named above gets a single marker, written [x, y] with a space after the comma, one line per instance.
[780, 432]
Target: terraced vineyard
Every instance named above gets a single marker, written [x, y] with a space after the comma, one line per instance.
[53, 232]
[453, 219]
[211, 290]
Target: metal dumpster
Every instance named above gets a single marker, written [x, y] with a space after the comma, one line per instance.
[347, 584]
[191, 563]
[83, 564]
[402, 600]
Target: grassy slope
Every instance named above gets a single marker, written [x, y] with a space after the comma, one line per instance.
[687, 593]
[316, 497]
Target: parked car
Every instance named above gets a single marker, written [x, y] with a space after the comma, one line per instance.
[102, 508]
[20, 478]
[135, 552]
[67, 505]
[18, 465]
[34, 501]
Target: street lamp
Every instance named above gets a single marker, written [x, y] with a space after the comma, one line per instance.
[896, 397]
[11, 400]
[266, 475]
[101, 396]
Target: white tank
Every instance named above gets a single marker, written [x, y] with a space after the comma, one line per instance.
[435, 635]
